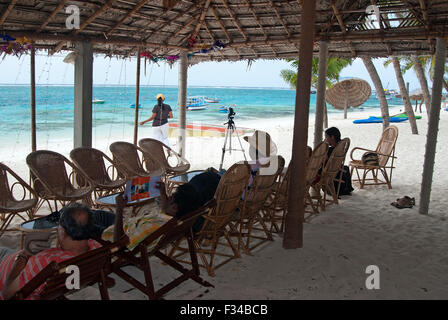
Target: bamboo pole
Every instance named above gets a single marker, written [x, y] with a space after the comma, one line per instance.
[321, 89]
[405, 95]
[293, 237]
[33, 98]
[433, 126]
[137, 97]
[325, 116]
[346, 102]
[182, 98]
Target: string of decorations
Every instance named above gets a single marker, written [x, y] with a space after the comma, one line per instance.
[15, 46]
[203, 48]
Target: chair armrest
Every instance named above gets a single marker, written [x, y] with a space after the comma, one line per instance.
[359, 148]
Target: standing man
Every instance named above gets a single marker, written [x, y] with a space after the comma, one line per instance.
[160, 114]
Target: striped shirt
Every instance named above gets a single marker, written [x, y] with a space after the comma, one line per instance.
[36, 264]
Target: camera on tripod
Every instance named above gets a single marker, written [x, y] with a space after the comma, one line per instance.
[231, 113]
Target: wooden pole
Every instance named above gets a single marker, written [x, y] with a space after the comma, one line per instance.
[137, 97]
[182, 98]
[293, 237]
[33, 98]
[346, 102]
[321, 89]
[433, 126]
[325, 116]
[83, 95]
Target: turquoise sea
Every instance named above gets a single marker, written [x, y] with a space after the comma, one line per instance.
[55, 106]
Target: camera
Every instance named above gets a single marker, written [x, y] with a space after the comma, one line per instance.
[231, 113]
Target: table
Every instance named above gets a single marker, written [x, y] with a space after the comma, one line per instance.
[43, 224]
[179, 179]
[109, 201]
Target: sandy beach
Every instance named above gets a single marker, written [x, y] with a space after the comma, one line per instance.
[410, 249]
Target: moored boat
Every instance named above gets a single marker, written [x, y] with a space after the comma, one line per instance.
[97, 101]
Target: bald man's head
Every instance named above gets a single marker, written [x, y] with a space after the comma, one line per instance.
[77, 221]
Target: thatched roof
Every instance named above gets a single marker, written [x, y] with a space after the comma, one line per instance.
[250, 29]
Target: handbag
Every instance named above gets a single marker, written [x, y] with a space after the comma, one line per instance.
[370, 158]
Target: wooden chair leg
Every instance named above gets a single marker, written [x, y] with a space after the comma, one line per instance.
[147, 272]
[102, 287]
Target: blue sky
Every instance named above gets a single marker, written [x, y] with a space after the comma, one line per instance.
[263, 73]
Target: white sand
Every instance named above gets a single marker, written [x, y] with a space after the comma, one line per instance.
[410, 249]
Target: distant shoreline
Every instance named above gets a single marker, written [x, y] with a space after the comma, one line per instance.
[143, 86]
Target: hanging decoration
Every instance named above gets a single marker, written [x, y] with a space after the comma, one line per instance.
[15, 46]
[203, 48]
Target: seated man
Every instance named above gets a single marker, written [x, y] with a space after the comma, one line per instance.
[191, 196]
[187, 198]
[75, 230]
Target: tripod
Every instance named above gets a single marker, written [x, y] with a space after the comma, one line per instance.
[229, 131]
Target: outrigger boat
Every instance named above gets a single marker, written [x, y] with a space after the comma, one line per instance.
[195, 101]
[211, 100]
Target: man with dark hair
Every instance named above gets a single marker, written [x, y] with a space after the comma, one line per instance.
[75, 230]
[191, 196]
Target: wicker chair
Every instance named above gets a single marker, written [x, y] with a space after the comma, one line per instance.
[385, 151]
[315, 163]
[153, 246]
[10, 207]
[92, 163]
[129, 165]
[217, 222]
[49, 175]
[93, 266]
[254, 201]
[332, 172]
[162, 153]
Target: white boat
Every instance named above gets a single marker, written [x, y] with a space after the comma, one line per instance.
[97, 101]
[211, 100]
[196, 108]
[195, 101]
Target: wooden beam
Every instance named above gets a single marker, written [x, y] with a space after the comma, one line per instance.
[186, 25]
[201, 19]
[341, 24]
[279, 17]
[83, 95]
[321, 90]
[293, 236]
[52, 15]
[223, 28]
[254, 14]
[87, 22]
[137, 97]
[182, 98]
[234, 19]
[180, 14]
[129, 14]
[213, 38]
[33, 98]
[7, 11]
[433, 127]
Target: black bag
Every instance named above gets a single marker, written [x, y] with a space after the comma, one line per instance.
[346, 186]
[370, 158]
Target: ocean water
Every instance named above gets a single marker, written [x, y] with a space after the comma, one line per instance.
[54, 110]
